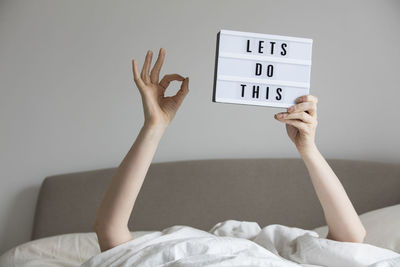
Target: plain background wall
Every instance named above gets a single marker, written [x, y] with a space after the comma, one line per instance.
[68, 102]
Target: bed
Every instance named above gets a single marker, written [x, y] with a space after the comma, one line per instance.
[200, 193]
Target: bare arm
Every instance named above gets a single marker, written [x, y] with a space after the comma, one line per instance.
[341, 217]
[111, 223]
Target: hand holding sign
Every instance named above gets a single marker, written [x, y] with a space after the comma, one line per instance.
[261, 69]
[301, 122]
[158, 109]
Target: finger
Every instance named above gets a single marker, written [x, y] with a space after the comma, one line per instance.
[155, 72]
[183, 91]
[310, 107]
[136, 76]
[307, 98]
[301, 126]
[303, 116]
[167, 79]
[146, 67]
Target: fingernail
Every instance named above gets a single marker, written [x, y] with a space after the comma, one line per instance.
[290, 109]
[280, 115]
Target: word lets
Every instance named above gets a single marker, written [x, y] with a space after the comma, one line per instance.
[270, 48]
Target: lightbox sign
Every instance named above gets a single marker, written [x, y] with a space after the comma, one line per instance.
[261, 69]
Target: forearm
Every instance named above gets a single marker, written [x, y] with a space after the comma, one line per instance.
[342, 219]
[111, 223]
[117, 204]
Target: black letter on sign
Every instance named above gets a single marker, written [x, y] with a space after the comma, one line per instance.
[258, 69]
[248, 46]
[278, 92]
[260, 46]
[243, 86]
[283, 46]
[270, 70]
[255, 92]
[272, 47]
[267, 95]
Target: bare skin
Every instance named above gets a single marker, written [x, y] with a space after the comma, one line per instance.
[342, 219]
[111, 223]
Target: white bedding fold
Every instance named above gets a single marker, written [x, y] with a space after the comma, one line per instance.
[235, 243]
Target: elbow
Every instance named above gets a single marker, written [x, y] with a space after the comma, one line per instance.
[95, 226]
[98, 226]
[354, 237]
[359, 236]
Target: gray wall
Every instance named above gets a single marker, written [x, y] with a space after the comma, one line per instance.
[68, 102]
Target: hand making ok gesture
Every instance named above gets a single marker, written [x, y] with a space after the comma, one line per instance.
[158, 109]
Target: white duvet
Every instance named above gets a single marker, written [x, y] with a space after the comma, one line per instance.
[234, 243]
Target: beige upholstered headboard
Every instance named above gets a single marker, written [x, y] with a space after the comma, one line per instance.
[201, 193]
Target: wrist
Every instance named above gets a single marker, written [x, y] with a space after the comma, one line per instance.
[152, 126]
[153, 130]
[307, 150]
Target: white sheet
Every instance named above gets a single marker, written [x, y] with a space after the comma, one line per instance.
[234, 243]
[67, 250]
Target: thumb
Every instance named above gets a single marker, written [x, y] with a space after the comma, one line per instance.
[183, 91]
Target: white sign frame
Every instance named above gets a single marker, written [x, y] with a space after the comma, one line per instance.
[250, 68]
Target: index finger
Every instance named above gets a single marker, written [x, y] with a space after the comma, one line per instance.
[309, 107]
[307, 98]
[167, 79]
